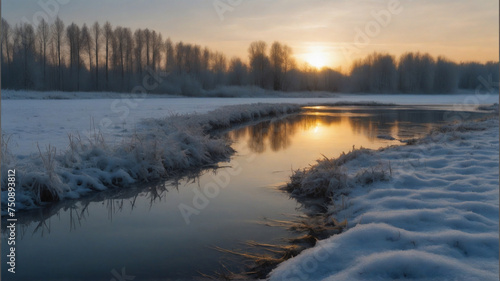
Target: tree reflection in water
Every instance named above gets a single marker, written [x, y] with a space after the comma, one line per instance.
[398, 122]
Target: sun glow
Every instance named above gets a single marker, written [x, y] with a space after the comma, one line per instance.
[318, 130]
[317, 57]
[317, 60]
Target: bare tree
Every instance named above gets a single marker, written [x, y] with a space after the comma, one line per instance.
[96, 36]
[122, 52]
[238, 72]
[408, 69]
[86, 42]
[129, 50]
[281, 62]
[156, 46]
[73, 34]
[383, 73]
[58, 33]
[147, 41]
[206, 77]
[108, 37]
[330, 80]
[25, 42]
[205, 59]
[377, 73]
[427, 66]
[416, 73]
[446, 76]
[43, 42]
[195, 61]
[276, 60]
[179, 57]
[139, 49]
[310, 79]
[288, 64]
[186, 58]
[119, 50]
[6, 42]
[169, 55]
[259, 62]
[219, 67]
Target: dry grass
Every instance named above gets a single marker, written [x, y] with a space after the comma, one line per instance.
[261, 258]
[317, 226]
[5, 146]
[259, 265]
[224, 274]
[330, 178]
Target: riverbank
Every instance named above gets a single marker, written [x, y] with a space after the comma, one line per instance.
[158, 149]
[427, 210]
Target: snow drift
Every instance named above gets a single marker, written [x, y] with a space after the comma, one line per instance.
[435, 219]
[160, 148]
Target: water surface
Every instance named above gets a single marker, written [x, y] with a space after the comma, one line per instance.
[167, 231]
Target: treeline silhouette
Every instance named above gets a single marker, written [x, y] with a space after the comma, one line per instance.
[53, 56]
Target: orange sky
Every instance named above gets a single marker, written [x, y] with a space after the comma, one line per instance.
[321, 32]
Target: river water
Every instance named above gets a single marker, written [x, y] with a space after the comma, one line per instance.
[168, 230]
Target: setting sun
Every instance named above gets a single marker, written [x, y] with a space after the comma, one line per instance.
[317, 60]
[317, 56]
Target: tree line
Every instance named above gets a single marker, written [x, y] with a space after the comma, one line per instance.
[53, 56]
[417, 73]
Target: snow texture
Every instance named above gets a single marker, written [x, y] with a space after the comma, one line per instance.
[160, 148]
[432, 216]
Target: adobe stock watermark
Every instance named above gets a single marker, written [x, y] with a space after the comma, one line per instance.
[203, 196]
[121, 276]
[484, 90]
[49, 10]
[223, 6]
[459, 114]
[122, 106]
[379, 19]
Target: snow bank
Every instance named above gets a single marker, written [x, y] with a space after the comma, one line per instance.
[221, 92]
[160, 148]
[468, 99]
[436, 219]
[58, 95]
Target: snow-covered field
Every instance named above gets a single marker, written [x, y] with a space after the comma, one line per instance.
[432, 215]
[31, 118]
[223, 92]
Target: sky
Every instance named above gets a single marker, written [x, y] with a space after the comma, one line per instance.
[329, 33]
